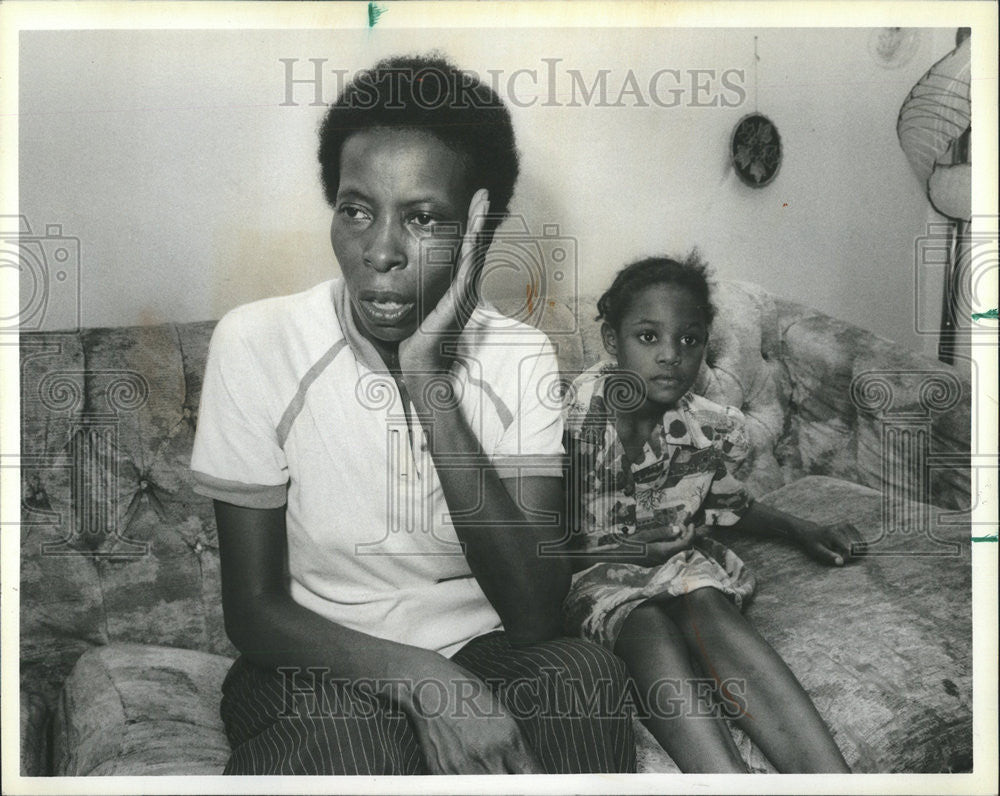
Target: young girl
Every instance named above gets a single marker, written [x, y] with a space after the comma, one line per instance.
[651, 466]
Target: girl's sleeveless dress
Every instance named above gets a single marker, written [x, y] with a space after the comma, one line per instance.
[686, 476]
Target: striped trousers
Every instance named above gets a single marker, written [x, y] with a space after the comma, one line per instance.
[568, 697]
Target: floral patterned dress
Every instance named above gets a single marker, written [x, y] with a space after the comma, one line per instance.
[685, 476]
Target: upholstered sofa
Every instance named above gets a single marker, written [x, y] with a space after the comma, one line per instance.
[122, 642]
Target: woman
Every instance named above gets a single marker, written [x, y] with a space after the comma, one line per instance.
[367, 436]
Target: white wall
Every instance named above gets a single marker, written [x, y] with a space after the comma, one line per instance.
[192, 189]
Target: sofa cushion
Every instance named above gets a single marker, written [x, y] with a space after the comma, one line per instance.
[132, 709]
[848, 387]
[884, 644]
[123, 550]
[34, 738]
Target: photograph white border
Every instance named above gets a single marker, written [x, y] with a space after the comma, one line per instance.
[982, 16]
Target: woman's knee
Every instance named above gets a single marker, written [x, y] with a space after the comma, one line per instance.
[588, 680]
[591, 660]
[587, 695]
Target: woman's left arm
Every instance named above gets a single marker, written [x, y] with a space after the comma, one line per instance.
[830, 544]
[502, 524]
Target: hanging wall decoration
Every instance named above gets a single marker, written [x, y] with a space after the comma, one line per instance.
[756, 150]
[755, 146]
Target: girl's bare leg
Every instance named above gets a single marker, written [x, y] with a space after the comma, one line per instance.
[779, 716]
[656, 654]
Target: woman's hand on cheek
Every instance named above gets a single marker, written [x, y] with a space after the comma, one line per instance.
[430, 349]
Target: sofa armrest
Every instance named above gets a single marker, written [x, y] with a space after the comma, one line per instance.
[34, 735]
[865, 410]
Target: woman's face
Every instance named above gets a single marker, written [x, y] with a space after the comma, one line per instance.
[662, 338]
[401, 207]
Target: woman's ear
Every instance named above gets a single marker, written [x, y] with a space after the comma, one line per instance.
[609, 338]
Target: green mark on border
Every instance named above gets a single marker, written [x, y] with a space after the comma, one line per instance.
[374, 12]
[984, 538]
[988, 315]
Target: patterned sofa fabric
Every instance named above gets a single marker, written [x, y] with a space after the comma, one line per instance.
[135, 709]
[883, 646]
[115, 544]
[116, 547]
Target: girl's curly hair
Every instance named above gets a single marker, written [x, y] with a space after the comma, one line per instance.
[691, 273]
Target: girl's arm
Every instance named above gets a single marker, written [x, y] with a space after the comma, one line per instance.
[272, 630]
[830, 544]
[634, 551]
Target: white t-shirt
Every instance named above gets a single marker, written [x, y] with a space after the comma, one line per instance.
[298, 408]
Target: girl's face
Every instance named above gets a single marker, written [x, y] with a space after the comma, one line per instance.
[662, 338]
[401, 206]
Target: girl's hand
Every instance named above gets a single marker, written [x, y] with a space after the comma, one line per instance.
[422, 354]
[829, 544]
[661, 550]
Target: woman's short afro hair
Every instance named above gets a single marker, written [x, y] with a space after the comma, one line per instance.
[691, 273]
[429, 94]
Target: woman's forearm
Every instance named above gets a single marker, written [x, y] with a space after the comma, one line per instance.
[271, 629]
[274, 631]
[502, 546]
[284, 635]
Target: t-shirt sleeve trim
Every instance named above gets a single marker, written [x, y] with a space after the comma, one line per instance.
[550, 465]
[251, 496]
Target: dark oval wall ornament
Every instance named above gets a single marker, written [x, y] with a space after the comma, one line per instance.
[755, 150]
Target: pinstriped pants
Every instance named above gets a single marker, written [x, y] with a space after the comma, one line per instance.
[567, 696]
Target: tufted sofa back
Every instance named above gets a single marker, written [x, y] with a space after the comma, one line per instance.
[818, 394]
[116, 546]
